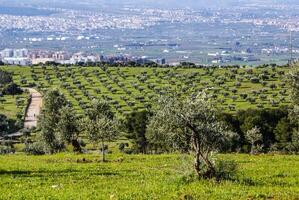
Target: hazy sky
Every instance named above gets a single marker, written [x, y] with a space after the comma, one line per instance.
[142, 3]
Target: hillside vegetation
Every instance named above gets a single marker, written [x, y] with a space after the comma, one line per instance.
[130, 89]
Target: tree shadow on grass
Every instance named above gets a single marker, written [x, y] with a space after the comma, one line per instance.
[60, 173]
[14, 172]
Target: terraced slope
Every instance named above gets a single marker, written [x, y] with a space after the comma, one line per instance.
[131, 89]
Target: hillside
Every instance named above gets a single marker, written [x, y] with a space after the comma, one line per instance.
[129, 89]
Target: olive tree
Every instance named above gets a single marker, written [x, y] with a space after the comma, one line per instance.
[68, 128]
[253, 136]
[53, 102]
[191, 122]
[100, 125]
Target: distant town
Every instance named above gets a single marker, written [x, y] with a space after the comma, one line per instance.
[25, 57]
[251, 33]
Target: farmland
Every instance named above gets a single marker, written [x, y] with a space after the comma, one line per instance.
[130, 89]
[61, 176]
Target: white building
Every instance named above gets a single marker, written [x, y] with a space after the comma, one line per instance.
[80, 57]
[20, 53]
[7, 53]
[17, 61]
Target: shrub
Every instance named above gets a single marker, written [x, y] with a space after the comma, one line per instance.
[225, 170]
[5, 77]
[7, 149]
[12, 89]
[255, 80]
[238, 84]
[36, 148]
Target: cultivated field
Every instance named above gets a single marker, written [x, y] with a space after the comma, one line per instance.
[129, 89]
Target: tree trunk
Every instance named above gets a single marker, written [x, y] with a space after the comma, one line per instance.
[197, 163]
[103, 152]
[210, 167]
[196, 149]
[252, 149]
[76, 146]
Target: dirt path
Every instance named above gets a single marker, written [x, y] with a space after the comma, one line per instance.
[34, 109]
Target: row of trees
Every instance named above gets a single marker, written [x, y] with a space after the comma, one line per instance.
[127, 95]
[150, 65]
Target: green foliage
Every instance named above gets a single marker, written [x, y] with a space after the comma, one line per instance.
[194, 123]
[283, 132]
[12, 89]
[4, 125]
[135, 124]
[294, 144]
[54, 101]
[100, 125]
[99, 109]
[266, 119]
[226, 170]
[5, 77]
[68, 127]
[253, 136]
[36, 148]
[7, 147]
[294, 82]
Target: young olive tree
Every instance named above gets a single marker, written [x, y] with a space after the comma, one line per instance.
[253, 136]
[193, 123]
[100, 131]
[100, 125]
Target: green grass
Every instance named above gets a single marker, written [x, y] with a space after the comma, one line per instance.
[143, 177]
[163, 81]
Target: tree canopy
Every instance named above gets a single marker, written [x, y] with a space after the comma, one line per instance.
[192, 123]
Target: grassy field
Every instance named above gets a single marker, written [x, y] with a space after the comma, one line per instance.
[129, 89]
[143, 177]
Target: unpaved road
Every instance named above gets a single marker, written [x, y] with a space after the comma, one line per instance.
[34, 109]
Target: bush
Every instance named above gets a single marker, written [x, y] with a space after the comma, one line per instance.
[36, 148]
[7, 147]
[12, 89]
[5, 77]
[225, 170]
[255, 80]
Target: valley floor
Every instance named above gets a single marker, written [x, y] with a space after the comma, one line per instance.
[67, 176]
